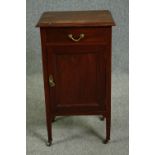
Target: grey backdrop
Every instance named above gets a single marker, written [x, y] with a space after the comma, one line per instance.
[77, 135]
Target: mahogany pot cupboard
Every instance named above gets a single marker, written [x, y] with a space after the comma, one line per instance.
[76, 58]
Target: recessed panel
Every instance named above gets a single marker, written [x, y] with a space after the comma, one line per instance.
[76, 78]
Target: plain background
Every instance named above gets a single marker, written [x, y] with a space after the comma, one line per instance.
[12, 111]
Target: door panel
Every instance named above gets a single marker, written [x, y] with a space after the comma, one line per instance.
[79, 74]
[77, 80]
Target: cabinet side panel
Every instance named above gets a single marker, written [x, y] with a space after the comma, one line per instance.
[108, 73]
[45, 73]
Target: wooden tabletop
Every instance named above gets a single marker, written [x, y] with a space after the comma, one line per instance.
[76, 18]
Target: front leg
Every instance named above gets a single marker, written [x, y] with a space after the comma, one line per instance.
[108, 128]
[49, 130]
[53, 118]
[49, 125]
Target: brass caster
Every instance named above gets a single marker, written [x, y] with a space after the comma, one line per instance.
[106, 141]
[102, 118]
[48, 143]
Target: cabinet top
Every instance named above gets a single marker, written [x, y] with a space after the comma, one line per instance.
[76, 18]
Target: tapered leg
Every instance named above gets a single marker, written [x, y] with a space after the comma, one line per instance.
[49, 132]
[108, 128]
[49, 129]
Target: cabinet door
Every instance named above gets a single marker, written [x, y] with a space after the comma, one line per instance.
[79, 75]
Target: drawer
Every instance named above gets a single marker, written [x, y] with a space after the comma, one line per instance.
[78, 35]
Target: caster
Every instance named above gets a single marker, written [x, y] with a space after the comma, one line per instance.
[102, 118]
[106, 141]
[48, 143]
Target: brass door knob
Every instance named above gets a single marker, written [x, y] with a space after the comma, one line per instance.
[51, 81]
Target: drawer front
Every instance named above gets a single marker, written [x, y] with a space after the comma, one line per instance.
[78, 35]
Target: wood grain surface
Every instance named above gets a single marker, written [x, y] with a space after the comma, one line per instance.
[76, 18]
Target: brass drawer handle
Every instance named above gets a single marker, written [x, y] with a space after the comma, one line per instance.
[51, 81]
[76, 40]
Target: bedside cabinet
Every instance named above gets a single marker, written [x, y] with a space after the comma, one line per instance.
[76, 56]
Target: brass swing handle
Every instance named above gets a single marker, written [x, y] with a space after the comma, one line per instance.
[76, 40]
[51, 81]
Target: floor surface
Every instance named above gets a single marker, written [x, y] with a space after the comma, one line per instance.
[80, 135]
